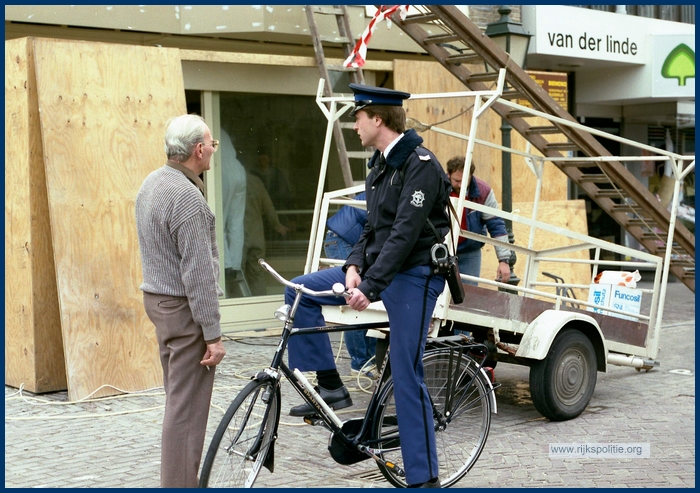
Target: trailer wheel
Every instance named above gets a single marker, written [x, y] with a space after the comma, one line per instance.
[562, 384]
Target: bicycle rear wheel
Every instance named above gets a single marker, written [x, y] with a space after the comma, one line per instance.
[240, 445]
[461, 412]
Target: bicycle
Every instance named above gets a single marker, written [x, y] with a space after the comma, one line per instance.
[461, 393]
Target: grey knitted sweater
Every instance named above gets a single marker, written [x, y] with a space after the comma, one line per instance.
[179, 256]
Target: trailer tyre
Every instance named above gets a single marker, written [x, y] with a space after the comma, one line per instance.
[562, 384]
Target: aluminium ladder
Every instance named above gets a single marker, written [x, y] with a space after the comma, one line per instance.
[344, 38]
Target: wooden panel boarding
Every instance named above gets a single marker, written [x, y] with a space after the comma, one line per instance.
[103, 113]
[33, 341]
[567, 214]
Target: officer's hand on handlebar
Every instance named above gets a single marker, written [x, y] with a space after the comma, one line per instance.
[357, 300]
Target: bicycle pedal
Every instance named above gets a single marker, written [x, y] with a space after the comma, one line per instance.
[315, 420]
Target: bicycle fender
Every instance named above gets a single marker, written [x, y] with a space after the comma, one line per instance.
[264, 376]
[491, 390]
[540, 334]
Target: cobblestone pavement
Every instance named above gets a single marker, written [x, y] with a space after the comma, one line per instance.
[114, 442]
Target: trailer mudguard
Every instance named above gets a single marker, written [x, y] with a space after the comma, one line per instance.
[541, 332]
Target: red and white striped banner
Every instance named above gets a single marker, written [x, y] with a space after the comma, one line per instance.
[359, 53]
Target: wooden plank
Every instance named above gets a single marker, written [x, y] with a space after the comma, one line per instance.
[33, 341]
[103, 114]
[275, 60]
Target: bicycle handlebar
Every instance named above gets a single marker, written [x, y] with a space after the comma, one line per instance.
[337, 290]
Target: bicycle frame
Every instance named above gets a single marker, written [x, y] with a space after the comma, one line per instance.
[349, 444]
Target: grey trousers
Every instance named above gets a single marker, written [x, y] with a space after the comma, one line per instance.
[188, 388]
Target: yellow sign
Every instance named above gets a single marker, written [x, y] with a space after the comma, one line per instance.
[555, 83]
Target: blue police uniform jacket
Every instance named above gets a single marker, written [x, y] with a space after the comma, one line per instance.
[401, 195]
[349, 222]
[475, 222]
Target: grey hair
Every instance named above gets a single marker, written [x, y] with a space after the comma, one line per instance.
[183, 133]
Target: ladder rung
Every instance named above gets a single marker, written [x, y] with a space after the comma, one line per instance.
[562, 146]
[594, 178]
[613, 193]
[420, 19]
[686, 263]
[520, 114]
[512, 94]
[485, 77]
[441, 38]
[466, 58]
[340, 68]
[578, 164]
[626, 208]
[326, 10]
[335, 39]
[549, 129]
[650, 223]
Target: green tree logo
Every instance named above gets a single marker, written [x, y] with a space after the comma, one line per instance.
[679, 64]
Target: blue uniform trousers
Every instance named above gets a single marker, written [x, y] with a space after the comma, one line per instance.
[409, 301]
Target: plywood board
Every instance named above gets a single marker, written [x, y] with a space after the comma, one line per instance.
[567, 214]
[418, 77]
[33, 341]
[103, 113]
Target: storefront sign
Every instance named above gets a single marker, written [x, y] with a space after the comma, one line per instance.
[583, 33]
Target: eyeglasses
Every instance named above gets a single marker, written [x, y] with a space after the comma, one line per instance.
[213, 143]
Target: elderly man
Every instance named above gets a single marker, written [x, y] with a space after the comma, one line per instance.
[180, 264]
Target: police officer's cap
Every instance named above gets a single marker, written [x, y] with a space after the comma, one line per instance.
[376, 96]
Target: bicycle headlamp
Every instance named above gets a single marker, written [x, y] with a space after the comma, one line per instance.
[282, 313]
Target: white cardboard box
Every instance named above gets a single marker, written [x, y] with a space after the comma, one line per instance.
[617, 297]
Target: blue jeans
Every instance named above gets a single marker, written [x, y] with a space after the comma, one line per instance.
[470, 264]
[360, 347]
[335, 247]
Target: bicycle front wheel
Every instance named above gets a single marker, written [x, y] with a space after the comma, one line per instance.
[461, 414]
[240, 445]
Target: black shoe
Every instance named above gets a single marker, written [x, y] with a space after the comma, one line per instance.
[433, 483]
[336, 399]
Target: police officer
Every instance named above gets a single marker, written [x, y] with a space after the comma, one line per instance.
[391, 262]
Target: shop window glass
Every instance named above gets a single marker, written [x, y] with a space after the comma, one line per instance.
[271, 148]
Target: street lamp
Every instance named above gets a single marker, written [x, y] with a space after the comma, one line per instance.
[511, 38]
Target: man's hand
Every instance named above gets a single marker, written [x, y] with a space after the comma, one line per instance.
[352, 277]
[356, 298]
[215, 353]
[503, 272]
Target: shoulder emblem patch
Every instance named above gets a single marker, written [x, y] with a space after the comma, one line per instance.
[417, 198]
[424, 157]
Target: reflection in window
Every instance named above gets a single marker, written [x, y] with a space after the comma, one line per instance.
[271, 148]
